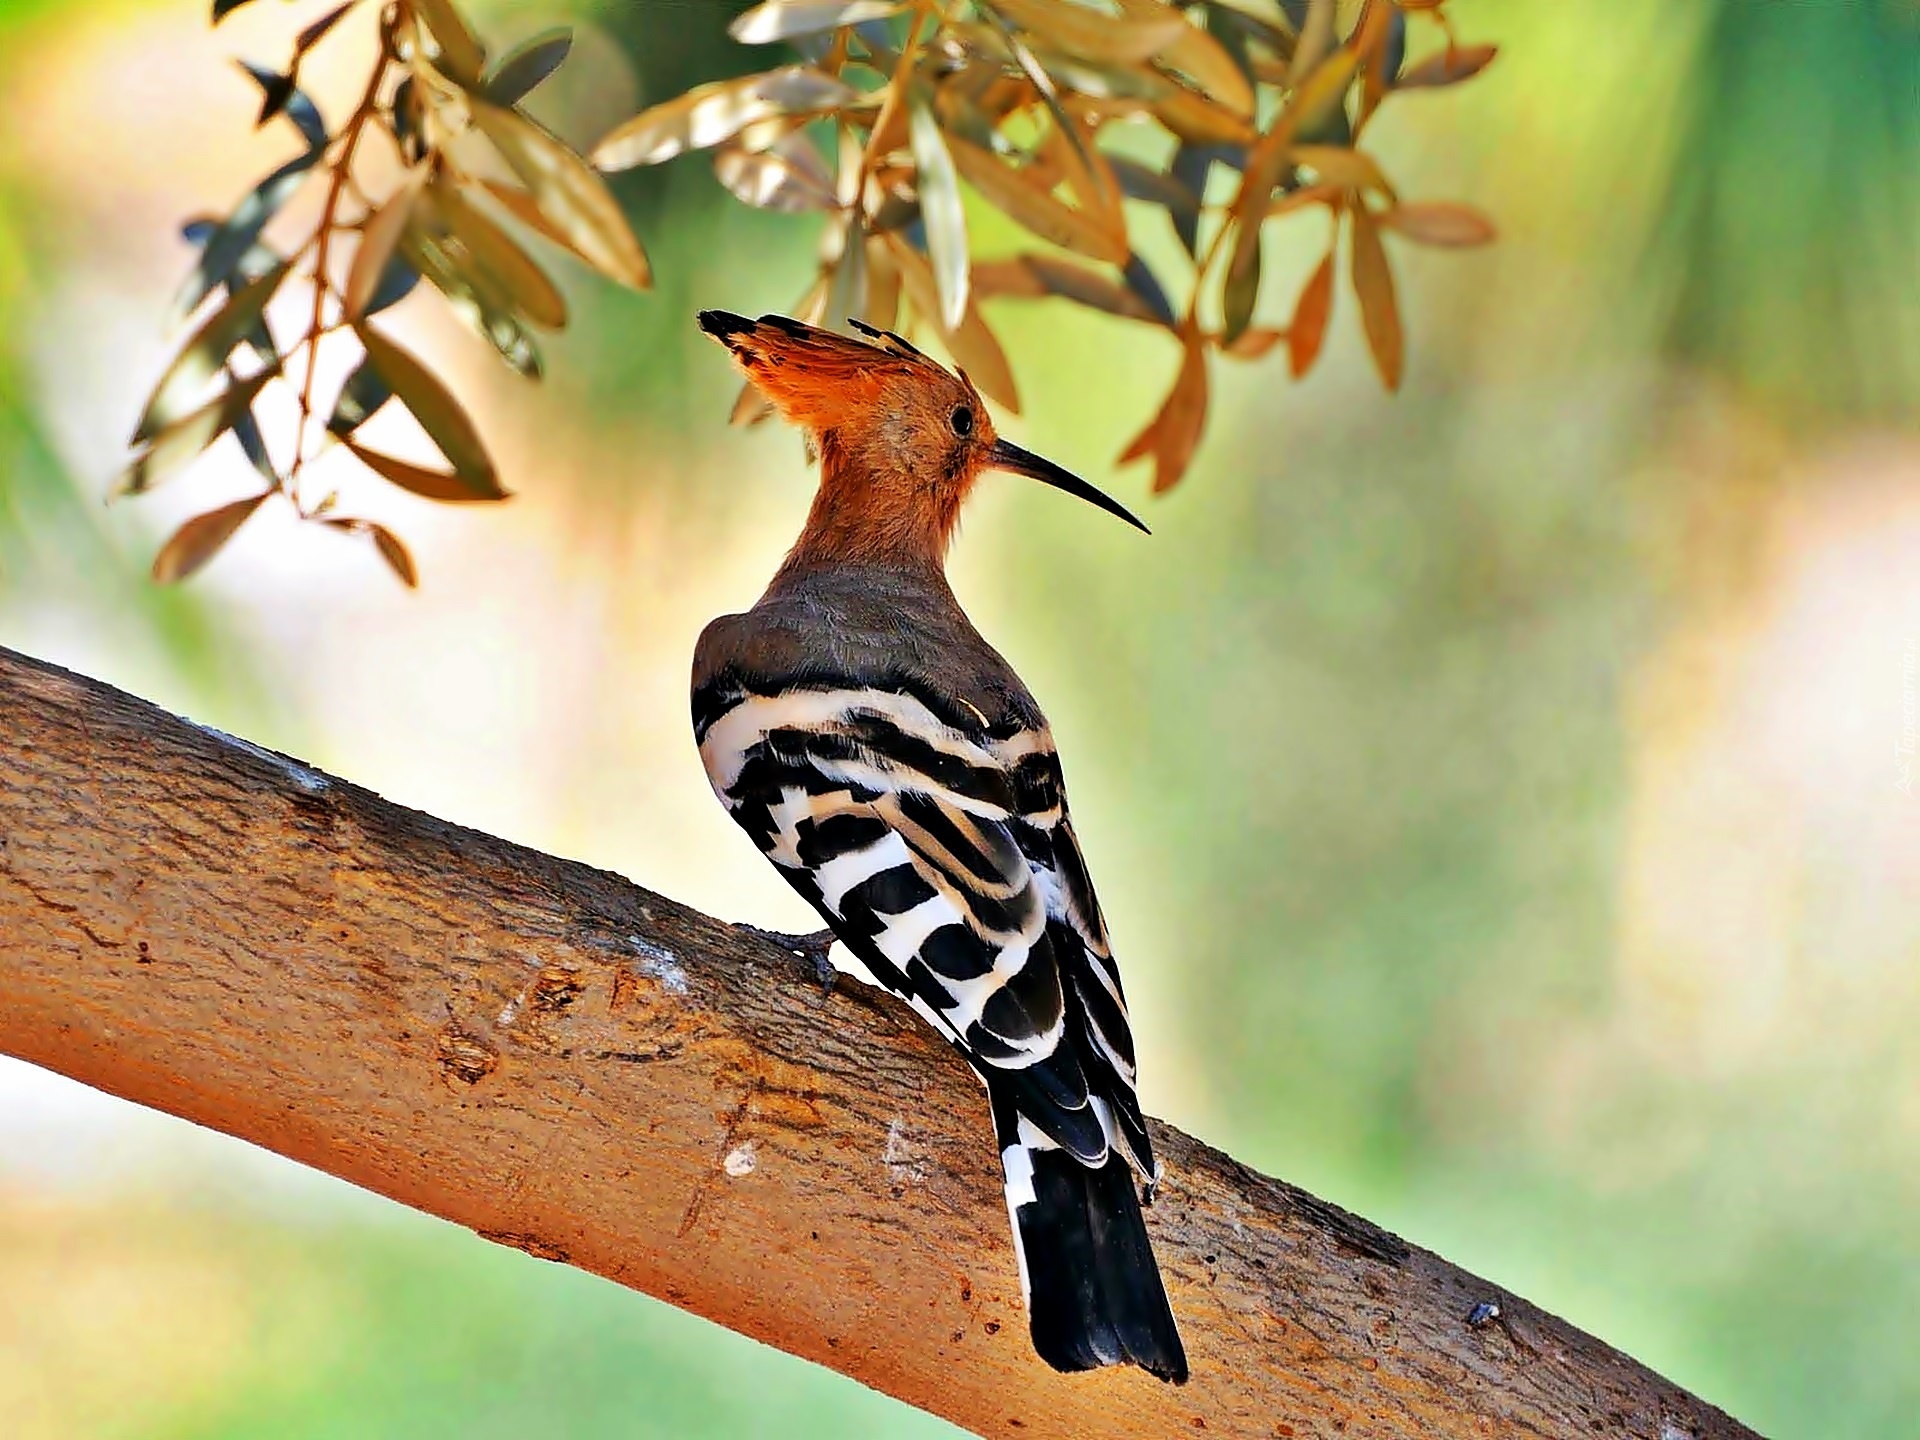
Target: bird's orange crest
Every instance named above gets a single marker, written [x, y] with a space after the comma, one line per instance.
[901, 439]
[819, 379]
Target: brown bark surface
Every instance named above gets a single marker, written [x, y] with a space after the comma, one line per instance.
[566, 1063]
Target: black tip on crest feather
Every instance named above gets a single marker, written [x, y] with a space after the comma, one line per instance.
[723, 325]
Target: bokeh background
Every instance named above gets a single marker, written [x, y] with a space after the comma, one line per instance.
[1494, 789]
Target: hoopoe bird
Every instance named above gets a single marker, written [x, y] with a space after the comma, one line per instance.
[899, 775]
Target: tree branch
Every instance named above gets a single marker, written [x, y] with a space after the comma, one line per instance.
[569, 1064]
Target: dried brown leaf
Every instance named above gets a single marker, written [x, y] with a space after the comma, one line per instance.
[395, 554]
[1379, 310]
[1197, 120]
[1041, 275]
[1009, 190]
[1092, 34]
[1448, 67]
[1253, 343]
[1200, 57]
[1439, 222]
[1345, 169]
[200, 539]
[1173, 434]
[439, 485]
[972, 345]
[1311, 312]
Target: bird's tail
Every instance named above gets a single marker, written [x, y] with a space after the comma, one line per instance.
[1094, 1295]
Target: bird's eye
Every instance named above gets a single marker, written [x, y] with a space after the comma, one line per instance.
[962, 421]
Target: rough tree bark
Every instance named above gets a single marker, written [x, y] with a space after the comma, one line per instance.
[569, 1064]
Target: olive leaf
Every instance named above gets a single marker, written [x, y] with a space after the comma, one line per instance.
[184, 439]
[573, 198]
[233, 240]
[395, 554]
[379, 239]
[1172, 436]
[709, 114]
[205, 353]
[971, 343]
[1093, 35]
[785, 19]
[364, 392]
[527, 65]
[200, 539]
[317, 31]
[1021, 199]
[1449, 67]
[1379, 310]
[1310, 315]
[787, 176]
[437, 411]
[438, 485]
[461, 55]
[1037, 276]
[494, 255]
[1438, 222]
[280, 95]
[940, 209]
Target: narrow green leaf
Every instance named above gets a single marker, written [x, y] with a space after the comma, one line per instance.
[205, 353]
[940, 208]
[572, 196]
[417, 479]
[200, 539]
[439, 414]
[527, 64]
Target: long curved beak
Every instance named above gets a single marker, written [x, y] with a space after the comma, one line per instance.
[1005, 455]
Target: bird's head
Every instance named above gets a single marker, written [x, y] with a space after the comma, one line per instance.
[901, 440]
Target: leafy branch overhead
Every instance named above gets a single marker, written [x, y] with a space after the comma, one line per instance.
[1218, 114]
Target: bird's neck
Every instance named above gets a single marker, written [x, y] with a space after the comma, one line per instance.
[875, 511]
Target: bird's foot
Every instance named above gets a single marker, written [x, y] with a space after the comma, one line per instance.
[811, 948]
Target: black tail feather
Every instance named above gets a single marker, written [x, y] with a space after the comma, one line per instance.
[1094, 1294]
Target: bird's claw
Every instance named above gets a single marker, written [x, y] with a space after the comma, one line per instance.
[811, 948]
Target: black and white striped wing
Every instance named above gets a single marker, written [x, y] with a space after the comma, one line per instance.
[943, 859]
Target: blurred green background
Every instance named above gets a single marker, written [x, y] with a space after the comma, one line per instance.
[1493, 789]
